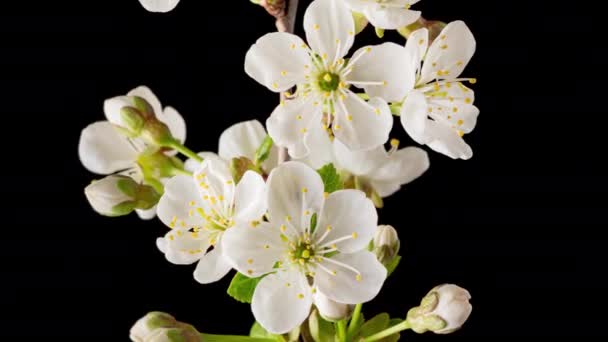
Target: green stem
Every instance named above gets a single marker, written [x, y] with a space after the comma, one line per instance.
[388, 332]
[341, 329]
[354, 321]
[233, 338]
[176, 145]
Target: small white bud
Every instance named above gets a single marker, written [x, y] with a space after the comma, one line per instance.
[330, 310]
[386, 246]
[150, 323]
[443, 310]
[108, 196]
[161, 6]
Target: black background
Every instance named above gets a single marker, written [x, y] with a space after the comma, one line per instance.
[520, 225]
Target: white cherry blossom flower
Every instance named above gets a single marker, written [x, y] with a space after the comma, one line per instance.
[386, 14]
[324, 79]
[103, 150]
[199, 209]
[159, 5]
[300, 257]
[378, 170]
[239, 140]
[440, 110]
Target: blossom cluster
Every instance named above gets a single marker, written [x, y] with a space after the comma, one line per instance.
[302, 233]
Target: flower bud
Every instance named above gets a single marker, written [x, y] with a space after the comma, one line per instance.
[112, 196]
[118, 195]
[386, 244]
[135, 117]
[443, 310]
[162, 327]
[149, 323]
[330, 310]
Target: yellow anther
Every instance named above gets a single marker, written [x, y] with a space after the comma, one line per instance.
[306, 254]
[354, 235]
[473, 80]
[179, 233]
[275, 85]
[443, 37]
[250, 272]
[303, 130]
[460, 122]
[334, 272]
[329, 228]
[230, 182]
[368, 49]
[377, 111]
[421, 41]
[287, 284]
[293, 46]
[337, 127]
[307, 212]
[288, 218]
[327, 77]
[255, 223]
[250, 261]
[266, 246]
[283, 73]
[192, 203]
[300, 296]
[455, 109]
[283, 228]
[351, 33]
[468, 100]
[444, 47]
[358, 277]
[316, 27]
[324, 56]
[220, 197]
[299, 117]
[460, 133]
[194, 235]
[304, 190]
[171, 237]
[395, 142]
[325, 194]
[334, 246]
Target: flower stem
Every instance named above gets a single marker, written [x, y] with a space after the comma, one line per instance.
[287, 23]
[179, 147]
[341, 330]
[354, 321]
[388, 332]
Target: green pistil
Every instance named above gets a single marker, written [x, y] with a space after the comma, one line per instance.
[328, 81]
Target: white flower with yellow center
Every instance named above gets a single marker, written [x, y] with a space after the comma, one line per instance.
[440, 110]
[159, 5]
[323, 77]
[311, 242]
[104, 150]
[377, 170]
[386, 14]
[200, 209]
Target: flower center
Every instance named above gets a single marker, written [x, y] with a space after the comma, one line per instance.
[328, 81]
[302, 252]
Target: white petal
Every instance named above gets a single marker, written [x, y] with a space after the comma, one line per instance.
[330, 28]
[177, 126]
[180, 199]
[351, 218]
[359, 163]
[357, 5]
[112, 109]
[181, 248]
[388, 63]
[402, 167]
[414, 118]
[362, 125]
[147, 94]
[212, 267]
[159, 5]
[446, 140]
[278, 60]
[390, 18]
[293, 188]
[282, 301]
[345, 287]
[249, 198]
[451, 51]
[319, 146]
[455, 109]
[146, 214]
[290, 122]
[103, 150]
[253, 249]
[417, 45]
[241, 140]
[192, 165]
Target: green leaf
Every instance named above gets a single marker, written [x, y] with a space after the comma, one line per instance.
[375, 325]
[390, 268]
[331, 178]
[241, 287]
[263, 152]
[258, 331]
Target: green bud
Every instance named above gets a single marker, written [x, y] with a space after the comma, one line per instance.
[112, 195]
[157, 133]
[360, 22]
[162, 327]
[238, 167]
[386, 244]
[132, 120]
[443, 310]
[144, 107]
[156, 164]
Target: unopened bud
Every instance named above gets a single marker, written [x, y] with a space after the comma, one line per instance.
[117, 195]
[157, 164]
[161, 6]
[162, 327]
[386, 244]
[330, 310]
[443, 310]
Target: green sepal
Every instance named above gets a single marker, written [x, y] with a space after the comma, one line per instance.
[320, 329]
[263, 152]
[331, 178]
[242, 287]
